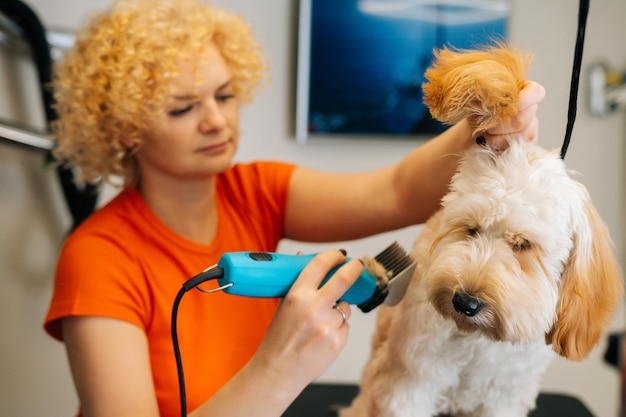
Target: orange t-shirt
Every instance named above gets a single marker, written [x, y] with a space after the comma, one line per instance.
[122, 262]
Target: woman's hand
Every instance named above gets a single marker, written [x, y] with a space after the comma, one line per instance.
[309, 329]
[306, 335]
[525, 123]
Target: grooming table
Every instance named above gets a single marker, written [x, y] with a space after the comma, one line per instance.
[322, 400]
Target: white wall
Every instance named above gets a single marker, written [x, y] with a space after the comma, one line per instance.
[34, 380]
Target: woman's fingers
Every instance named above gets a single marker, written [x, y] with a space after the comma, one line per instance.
[524, 124]
[344, 311]
[530, 97]
[341, 280]
[320, 266]
[532, 94]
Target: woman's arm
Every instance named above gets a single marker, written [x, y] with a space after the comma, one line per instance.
[331, 207]
[111, 368]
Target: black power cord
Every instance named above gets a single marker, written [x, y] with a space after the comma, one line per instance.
[583, 11]
[188, 285]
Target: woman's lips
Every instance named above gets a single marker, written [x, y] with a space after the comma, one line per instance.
[218, 148]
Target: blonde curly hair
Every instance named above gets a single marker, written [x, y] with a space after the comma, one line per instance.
[118, 76]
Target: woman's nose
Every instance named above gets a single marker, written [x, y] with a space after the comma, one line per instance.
[212, 117]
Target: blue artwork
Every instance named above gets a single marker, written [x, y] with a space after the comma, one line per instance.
[362, 62]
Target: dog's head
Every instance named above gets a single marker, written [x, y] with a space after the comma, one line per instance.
[521, 253]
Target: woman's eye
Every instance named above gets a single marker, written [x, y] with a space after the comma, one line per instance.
[180, 111]
[225, 97]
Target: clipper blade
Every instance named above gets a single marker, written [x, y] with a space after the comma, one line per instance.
[393, 268]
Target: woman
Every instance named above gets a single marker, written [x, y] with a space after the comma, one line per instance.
[150, 96]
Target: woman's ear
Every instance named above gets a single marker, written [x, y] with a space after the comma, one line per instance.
[127, 141]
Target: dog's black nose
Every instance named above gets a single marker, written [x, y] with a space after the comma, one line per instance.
[466, 304]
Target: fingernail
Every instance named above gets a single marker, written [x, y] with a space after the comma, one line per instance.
[481, 140]
[343, 251]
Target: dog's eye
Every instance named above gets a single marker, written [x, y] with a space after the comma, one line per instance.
[472, 231]
[517, 241]
[521, 245]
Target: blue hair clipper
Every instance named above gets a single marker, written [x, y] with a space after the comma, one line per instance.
[268, 275]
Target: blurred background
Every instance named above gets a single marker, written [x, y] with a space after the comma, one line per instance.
[34, 376]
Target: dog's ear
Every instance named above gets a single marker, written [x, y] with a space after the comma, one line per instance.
[591, 287]
[481, 85]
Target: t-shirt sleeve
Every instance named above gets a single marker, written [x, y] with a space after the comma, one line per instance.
[257, 194]
[273, 185]
[96, 277]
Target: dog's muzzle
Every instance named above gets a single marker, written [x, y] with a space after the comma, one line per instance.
[466, 304]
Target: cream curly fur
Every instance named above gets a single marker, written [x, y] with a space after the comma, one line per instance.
[516, 267]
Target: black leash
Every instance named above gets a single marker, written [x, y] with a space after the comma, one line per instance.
[583, 11]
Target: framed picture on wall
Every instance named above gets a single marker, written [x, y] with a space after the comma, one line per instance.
[361, 63]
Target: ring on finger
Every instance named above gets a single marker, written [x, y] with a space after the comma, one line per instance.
[343, 313]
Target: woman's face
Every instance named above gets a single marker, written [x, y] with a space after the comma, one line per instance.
[198, 134]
